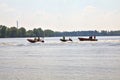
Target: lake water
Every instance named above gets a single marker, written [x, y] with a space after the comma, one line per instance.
[55, 60]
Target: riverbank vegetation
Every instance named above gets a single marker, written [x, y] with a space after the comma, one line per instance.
[6, 32]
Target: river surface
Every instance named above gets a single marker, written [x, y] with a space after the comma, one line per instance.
[55, 60]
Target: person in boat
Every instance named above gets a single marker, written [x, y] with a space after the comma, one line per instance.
[63, 37]
[38, 39]
[35, 39]
[94, 37]
[90, 37]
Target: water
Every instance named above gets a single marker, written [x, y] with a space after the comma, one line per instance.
[55, 60]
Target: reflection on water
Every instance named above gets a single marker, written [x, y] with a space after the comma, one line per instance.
[55, 60]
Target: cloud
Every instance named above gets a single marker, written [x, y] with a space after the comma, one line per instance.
[7, 15]
[5, 8]
[93, 18]
[90, 18]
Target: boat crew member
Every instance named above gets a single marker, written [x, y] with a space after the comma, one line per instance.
[90, 37]
[35, 39]
[38, 39]
[63, 37]
[94, 37]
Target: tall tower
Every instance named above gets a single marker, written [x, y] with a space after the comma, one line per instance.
[17, 24]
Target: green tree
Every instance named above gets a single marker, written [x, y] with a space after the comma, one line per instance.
[21, 32]
[3, 31]
[104, 33]
[38, 32]
[13, 32]
[49, 33]
[8, 32]
[29, 33]
[41, 32]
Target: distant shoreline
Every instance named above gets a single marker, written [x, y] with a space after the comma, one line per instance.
[14, 32]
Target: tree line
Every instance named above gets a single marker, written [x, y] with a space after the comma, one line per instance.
[6, 32]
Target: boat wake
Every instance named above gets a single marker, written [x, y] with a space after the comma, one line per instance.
[11, 44]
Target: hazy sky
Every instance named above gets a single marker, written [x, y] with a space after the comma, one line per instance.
[61, 15]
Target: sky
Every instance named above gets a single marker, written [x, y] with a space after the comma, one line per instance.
[61, 15]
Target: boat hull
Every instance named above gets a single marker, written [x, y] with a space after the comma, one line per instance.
[65, 40]
[34, 41]
[87, 39]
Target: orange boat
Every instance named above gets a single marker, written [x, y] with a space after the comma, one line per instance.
[35, 40]
[88, 39]
[65, 40]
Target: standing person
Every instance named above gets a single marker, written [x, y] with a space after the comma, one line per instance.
[35, 39]
[38, 39]
[63, 37]
[94, 37]
[90, 37]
